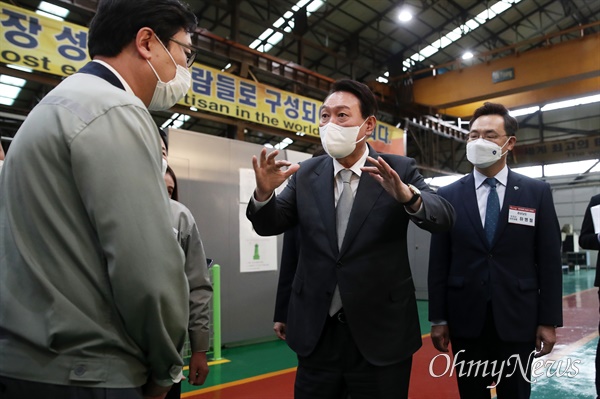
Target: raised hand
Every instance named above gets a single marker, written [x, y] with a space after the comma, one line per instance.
[269, 174]
[388, 178]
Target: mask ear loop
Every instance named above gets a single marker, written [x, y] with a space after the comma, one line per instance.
[505, 152]
[361, 125]
[170, 56]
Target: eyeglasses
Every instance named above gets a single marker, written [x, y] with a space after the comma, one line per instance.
[486, 136]
[191, 56]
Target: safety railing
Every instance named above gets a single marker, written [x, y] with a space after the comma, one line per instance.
[214, 352]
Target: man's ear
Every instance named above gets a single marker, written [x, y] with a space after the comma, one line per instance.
[143, 43]
[370, 124]
[512, 143]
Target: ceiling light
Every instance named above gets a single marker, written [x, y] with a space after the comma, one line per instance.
[9, 91]
[314, 6]
[523, 111]
[467, 56]
[530, 171]
[287, 19]
[404, 16]
[52, 11]
[175, 121]
[462, 30]
[441, 181]
[7, 101]
[10, 87]
[569, 168]
[287, 141]
[20, 68]
[571, 103]
[11, 80]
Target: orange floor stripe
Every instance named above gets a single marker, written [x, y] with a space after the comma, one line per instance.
[277, 385]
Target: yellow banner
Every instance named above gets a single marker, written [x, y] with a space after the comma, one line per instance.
[226, 94]
[60, 48]
[42, 44]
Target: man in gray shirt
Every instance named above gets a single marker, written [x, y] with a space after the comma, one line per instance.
[93, 295]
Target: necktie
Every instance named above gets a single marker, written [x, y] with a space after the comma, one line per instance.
[492, 210]
[342, 214]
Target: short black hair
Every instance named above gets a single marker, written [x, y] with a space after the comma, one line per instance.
[164, 137]
[510, 124]
[175, 194]
[117, 22]
[368, 102]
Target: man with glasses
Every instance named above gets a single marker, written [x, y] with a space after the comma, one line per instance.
[495, 279]
[93, 293]
[190, 54]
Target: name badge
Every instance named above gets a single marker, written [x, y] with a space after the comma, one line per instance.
[520, 215]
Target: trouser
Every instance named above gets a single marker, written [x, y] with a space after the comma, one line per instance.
[174, 392]
[598, 356]
[11, 388]
[488, 350]
[336, 369]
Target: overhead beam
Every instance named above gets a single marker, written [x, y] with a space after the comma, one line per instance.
[574, 66]
[530, 98]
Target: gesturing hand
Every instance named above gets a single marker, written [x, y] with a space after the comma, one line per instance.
[269, 174]
[388, 178]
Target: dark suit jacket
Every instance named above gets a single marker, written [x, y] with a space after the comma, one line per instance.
[520, 272]
[587, 238]
[371, 268]
[287, 270]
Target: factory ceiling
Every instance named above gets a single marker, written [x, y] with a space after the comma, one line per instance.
[303, 49]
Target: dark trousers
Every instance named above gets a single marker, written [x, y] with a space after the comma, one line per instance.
[337, 369]
[11, 388]
[473, 382]
[598, 357]
[174, 392]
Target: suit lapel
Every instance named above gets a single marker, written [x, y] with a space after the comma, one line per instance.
[366, 195]
[322, 188]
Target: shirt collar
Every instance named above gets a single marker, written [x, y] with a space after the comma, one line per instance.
[502, 177]
[113, 70]
[354, 168]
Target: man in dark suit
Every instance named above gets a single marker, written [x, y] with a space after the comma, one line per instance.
[352, 316]
[495, 279]
[589, 239]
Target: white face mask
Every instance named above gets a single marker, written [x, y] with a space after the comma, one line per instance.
[166, 94]
[339, 141]
[483, 153]
[163, 168]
